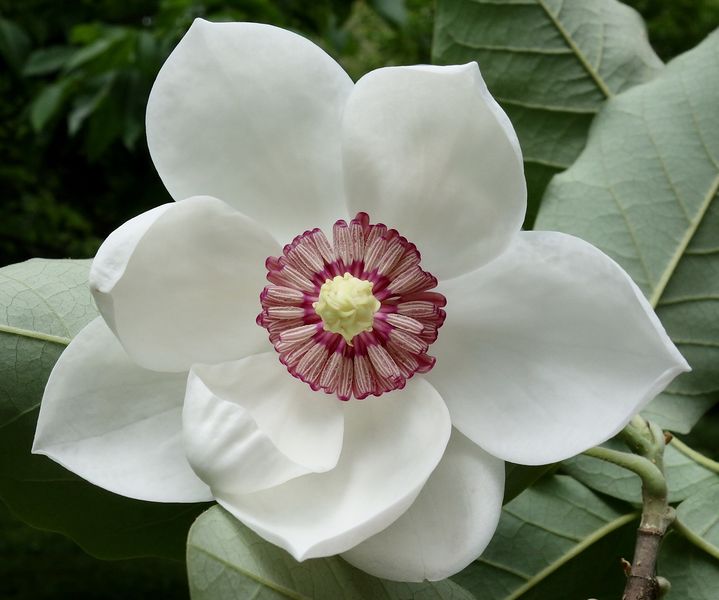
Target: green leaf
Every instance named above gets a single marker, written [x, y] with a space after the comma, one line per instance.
[394, 11]
[47, 496]
[551, 64]
[43, 304]
[86, 33]
[684, 476]
[644, 191]
[694, 574]
[96, 49]
[674, 413]
[48, 103]
[519, 477]
[698, 520]
[84, 106]
[14, 43]
[225, 560]
[47, 60]
[556, 540]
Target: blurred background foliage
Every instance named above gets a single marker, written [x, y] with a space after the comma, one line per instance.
[74, 80]
[74, 84]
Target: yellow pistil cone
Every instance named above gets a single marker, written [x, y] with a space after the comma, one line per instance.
[347, 306]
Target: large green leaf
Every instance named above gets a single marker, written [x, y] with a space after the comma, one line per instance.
[43, 304]
[693, 574]
[551, 64]
[698, 519]
[673, 412]
[519, 477]
[225, 560]
[685, 477]
[47, 60]
[556, 540]
[14, 43]
[644, 191]
[689, 557]
[49, 102]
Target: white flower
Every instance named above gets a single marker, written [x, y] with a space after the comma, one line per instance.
[176, 394]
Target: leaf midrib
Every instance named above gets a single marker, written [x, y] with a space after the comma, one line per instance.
[36, 335]
[573, 49]
[572, 553]
[576, 50]
[695, 539]
[252, 576]
[683, 244]
[38, 295]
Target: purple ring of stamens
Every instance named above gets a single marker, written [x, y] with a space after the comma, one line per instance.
[404, 327]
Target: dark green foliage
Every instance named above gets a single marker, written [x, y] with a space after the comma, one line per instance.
[39, 565]
[675, 26]
[705, 434]
[73, 160]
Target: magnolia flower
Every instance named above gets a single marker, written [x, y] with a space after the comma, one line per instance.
[369, 408]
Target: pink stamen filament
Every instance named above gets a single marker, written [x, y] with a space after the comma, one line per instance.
[407, 322]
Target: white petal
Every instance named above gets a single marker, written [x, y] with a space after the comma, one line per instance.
[448, 526]
[391, 445]
[549, 350]
[114, 254]
[181, 284]
[250, 425]
[115, 424]
[251, 114]
[428, 151]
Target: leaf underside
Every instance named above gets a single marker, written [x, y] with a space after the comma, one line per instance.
[557, 534]
[225, 560]
[43, 304]
[644, 191]
[550, 64]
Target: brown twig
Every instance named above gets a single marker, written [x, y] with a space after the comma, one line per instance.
[647, 442]
[657, 516]
[642, 581]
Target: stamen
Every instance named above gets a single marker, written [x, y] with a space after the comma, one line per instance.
[354, 317]
[299, 334]
[404, 322]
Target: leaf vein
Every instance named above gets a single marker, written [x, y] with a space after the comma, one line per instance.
[576, 50]
[505, 568]
[573, 552]
[233, 567]
[566, 536]
[40, 297]
[687, 299]
[36, 335]
[684, 242]
[546, 107]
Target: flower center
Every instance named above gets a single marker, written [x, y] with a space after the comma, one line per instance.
[347, 306]
[354, 317]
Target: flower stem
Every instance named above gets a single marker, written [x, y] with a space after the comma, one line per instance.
[647, 442]
[649, 473]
